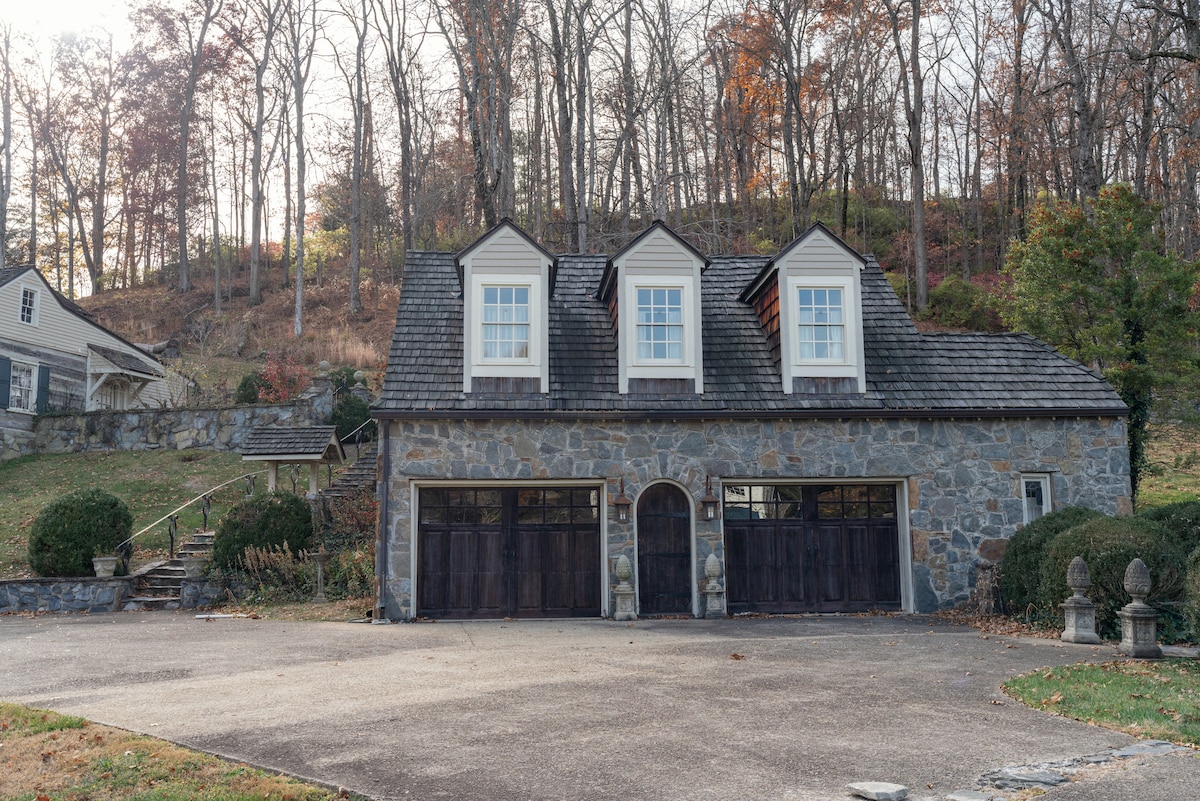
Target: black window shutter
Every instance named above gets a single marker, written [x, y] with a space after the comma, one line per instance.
[43, 389]
[5, 381]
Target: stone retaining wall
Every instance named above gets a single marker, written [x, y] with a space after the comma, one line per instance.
[87, 594]
[222, 429]
[64, 594]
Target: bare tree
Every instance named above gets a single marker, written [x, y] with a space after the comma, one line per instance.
[912, 87]
[6, 138]
[301, 32]
[255, 37]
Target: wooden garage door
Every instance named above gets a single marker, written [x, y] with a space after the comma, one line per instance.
[512, 552]
[806, 548]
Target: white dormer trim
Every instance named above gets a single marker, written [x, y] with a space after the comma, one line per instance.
[819, 260]
[659, 260]
[506, 257]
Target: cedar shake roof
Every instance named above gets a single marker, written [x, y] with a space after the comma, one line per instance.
[313, 443]
[908, 373]
[126, 361]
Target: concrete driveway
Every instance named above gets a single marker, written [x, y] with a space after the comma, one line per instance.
[781, 708]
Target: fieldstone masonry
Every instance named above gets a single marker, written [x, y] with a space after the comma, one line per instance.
[960, 478]
[222, 429]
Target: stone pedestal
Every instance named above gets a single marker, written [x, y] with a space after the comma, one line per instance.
[1078, 611]
[1080, 615]
[714, 593]
[1139, 620]
[626, 608]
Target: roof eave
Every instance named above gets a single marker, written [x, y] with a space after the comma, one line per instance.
[748, 414]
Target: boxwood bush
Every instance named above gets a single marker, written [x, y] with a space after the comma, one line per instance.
[1192, 609]
[68, 532]
[1108, 545]
[264, 521]
[250, 386]
[1182, 521]
[1021, 569]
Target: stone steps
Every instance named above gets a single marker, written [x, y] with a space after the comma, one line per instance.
[159, 586]
[359, 475]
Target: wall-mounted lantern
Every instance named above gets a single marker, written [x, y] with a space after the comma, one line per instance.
[710, 502]
[622, 504]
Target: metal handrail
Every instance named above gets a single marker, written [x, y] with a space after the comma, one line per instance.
[201, 496]
[361, 426]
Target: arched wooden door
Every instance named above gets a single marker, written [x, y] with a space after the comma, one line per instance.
[664, 526]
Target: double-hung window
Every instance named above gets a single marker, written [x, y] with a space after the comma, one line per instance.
[822, 324]
[29, 306]
[21, 393]
[660, 324]
[506, 323]
[1035, 489]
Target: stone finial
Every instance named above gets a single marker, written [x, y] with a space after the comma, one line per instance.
[323, 367]
[1137, 581]
[623, 569]
[1079, 613]
[359, 375]
[712, 567]
[1079, 578]
[624, 592]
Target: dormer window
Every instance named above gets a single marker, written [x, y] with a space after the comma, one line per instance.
[507, 280]
[822, 324]
[506, 323]
[660, 324]
[652, 290]
[809, 300]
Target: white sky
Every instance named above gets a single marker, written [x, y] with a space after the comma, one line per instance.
[44, 18]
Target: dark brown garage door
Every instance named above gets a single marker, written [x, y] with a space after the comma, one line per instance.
[511, 552]
[806, 548]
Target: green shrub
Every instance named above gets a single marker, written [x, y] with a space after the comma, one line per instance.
[957, 303]
[1021, 569]
[349, 413]
[267, 521]
[1182, 521]
[342, 377]
[1192, 608]
[252, 384]
[1108, 545]
[68, 532]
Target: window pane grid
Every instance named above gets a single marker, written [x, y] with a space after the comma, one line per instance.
[506, 322]
[660, 324]
[21, 387]
[28, 302]
[822, 324]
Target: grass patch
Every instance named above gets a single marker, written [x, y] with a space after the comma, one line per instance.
[1173, 452]
[305, 611]
[1158, 700]
[52, 757]
[152, 483]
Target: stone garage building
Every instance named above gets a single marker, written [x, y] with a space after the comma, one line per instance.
[544, 416]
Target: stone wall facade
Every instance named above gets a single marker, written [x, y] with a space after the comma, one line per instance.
[64, 594]
[959, 481]
[222, 429]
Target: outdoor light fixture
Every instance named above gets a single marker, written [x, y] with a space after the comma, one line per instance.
[709, 501]
[622, 504]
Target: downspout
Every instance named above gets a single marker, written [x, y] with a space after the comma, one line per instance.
[383, 470]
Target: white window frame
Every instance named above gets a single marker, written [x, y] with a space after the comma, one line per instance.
[32, 308]
[686, 367]
[30, 389]
[527, 322]
[840, 325]
[681, 325]
[1042, 480]
[536, 363]
[849, 319]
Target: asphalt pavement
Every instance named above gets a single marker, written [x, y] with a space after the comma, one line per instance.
[778, 708]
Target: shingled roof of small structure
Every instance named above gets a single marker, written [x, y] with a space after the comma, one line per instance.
[314, 442]
[906, 371]
[127, 361]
